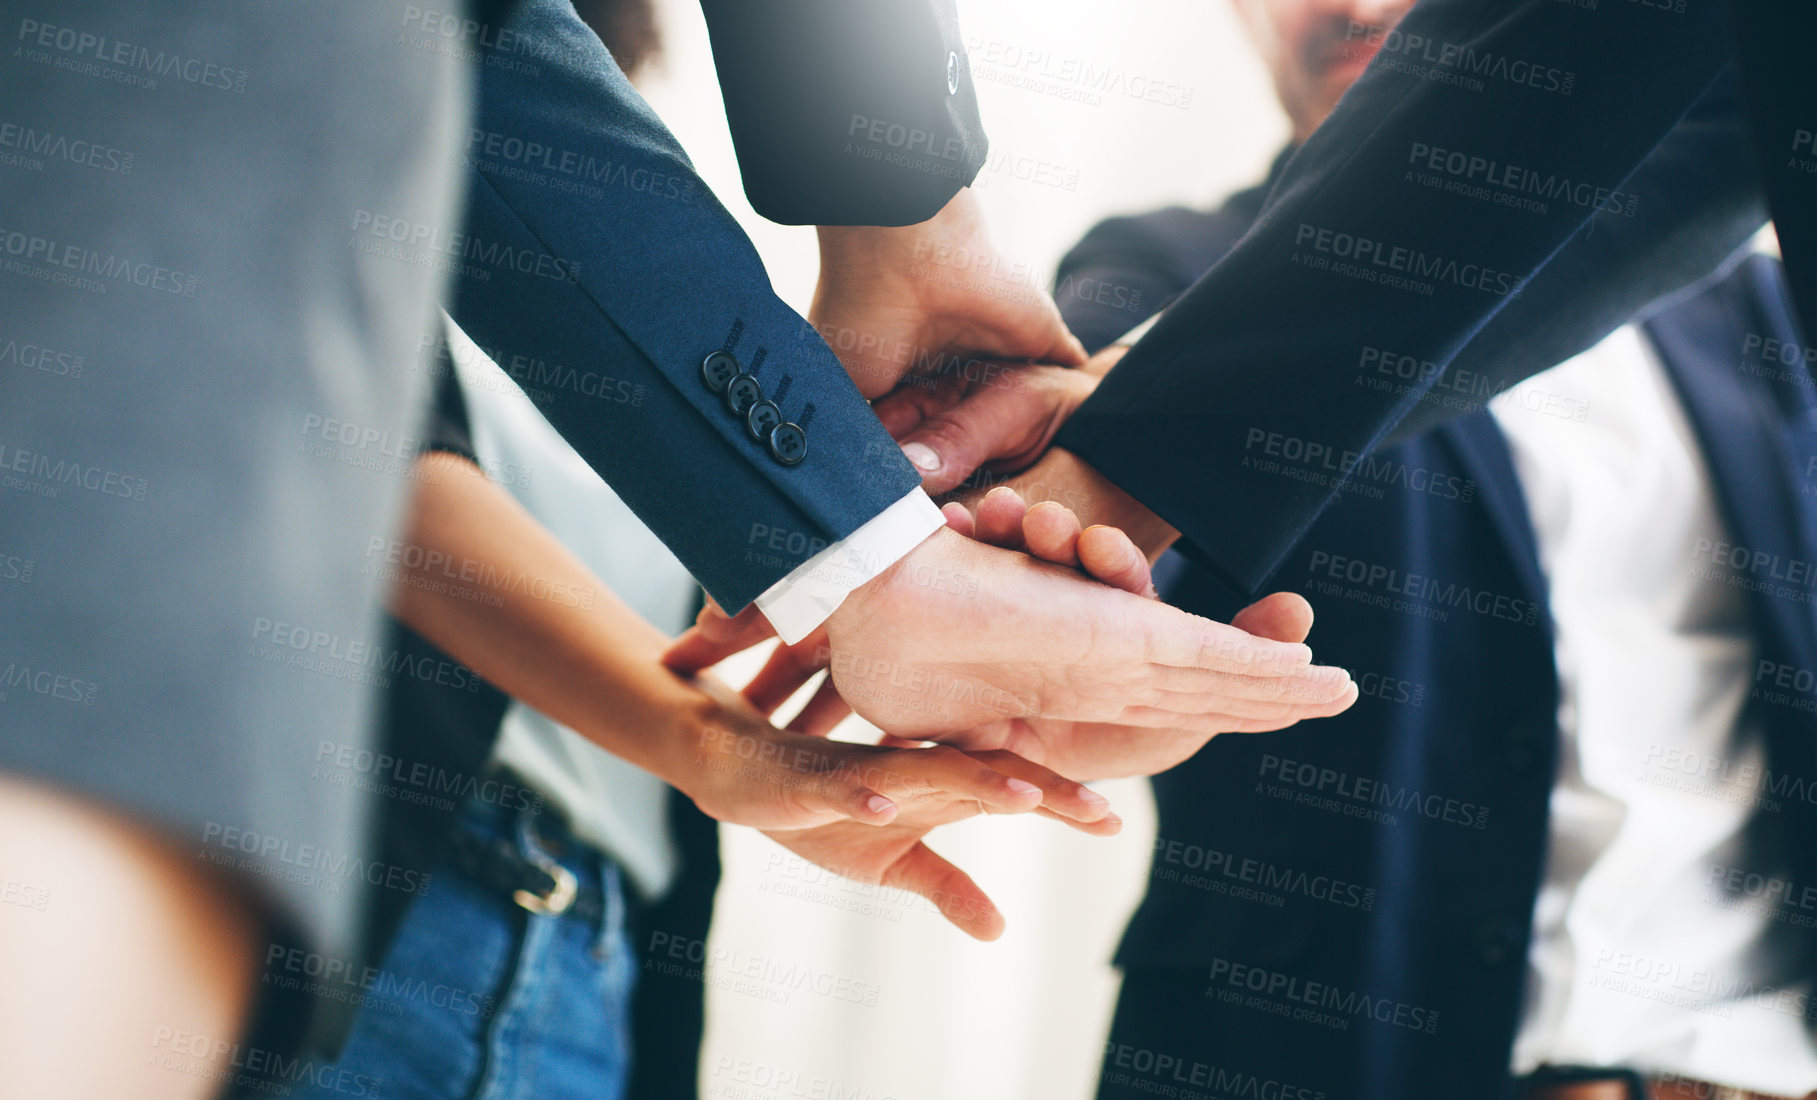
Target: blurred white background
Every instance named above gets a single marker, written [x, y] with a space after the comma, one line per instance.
[951, 1018]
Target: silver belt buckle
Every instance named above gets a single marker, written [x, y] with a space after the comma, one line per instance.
[560, 895]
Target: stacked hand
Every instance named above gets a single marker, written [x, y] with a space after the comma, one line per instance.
[1002, 421]
[981, 646]
[862, 810]
[933, 299]
[967, 644]
[1097, 750]
[859, 810]
[969, 364]
[1137, 722]
[1015, 635]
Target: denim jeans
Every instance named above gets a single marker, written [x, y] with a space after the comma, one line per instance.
[480, 999]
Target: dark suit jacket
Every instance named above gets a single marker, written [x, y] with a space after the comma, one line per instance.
[1428, 905]
[847, 114]
[1444, 194]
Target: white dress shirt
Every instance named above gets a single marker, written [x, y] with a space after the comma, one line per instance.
[1631, 965]
[614, 805]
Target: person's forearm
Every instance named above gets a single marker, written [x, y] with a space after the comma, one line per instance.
[577, 652]
[1272, 344]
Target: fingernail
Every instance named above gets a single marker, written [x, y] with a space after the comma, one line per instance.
[1092, 798]
[878, 804]
[1022, 786]
[1113, 820]
[922, 456]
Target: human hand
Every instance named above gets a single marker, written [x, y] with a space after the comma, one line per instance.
[739, 769]
[988, 420]
[894, 855]
[1091, 750]
[931, 299]
[1047, 531]
[960, 637]
[1052, 533]
[862, 810]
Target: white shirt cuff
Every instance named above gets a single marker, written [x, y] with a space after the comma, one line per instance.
[1138, 332]
[798, 603]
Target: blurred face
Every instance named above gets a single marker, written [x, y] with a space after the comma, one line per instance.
[1312, 50]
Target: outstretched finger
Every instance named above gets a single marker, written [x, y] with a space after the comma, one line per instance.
[959, 518]
[999, 520]
[1110, 825]
[952, 891]
[1061, 798]
[1227, 717]
[846, 791]
[1182, 640]
[1051, 532]
[1111, 556]
[960, 777]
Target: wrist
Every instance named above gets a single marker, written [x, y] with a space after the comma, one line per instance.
[865, 602]
[653, 719]
[736, 766]
[696, 744]
[862, 247]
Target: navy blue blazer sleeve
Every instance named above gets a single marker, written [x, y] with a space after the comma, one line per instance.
[600, 272]
[1685, 211]
[847, 112]
[1238, 415]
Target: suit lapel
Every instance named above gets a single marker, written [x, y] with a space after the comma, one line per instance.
[1482, 451]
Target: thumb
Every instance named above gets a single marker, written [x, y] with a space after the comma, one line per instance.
[1112, 557]
[946, 450]
[1043, 336]
[845, 792]
[1280, 617]
[1063, 349]
[993, 423]
[1069, 352]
